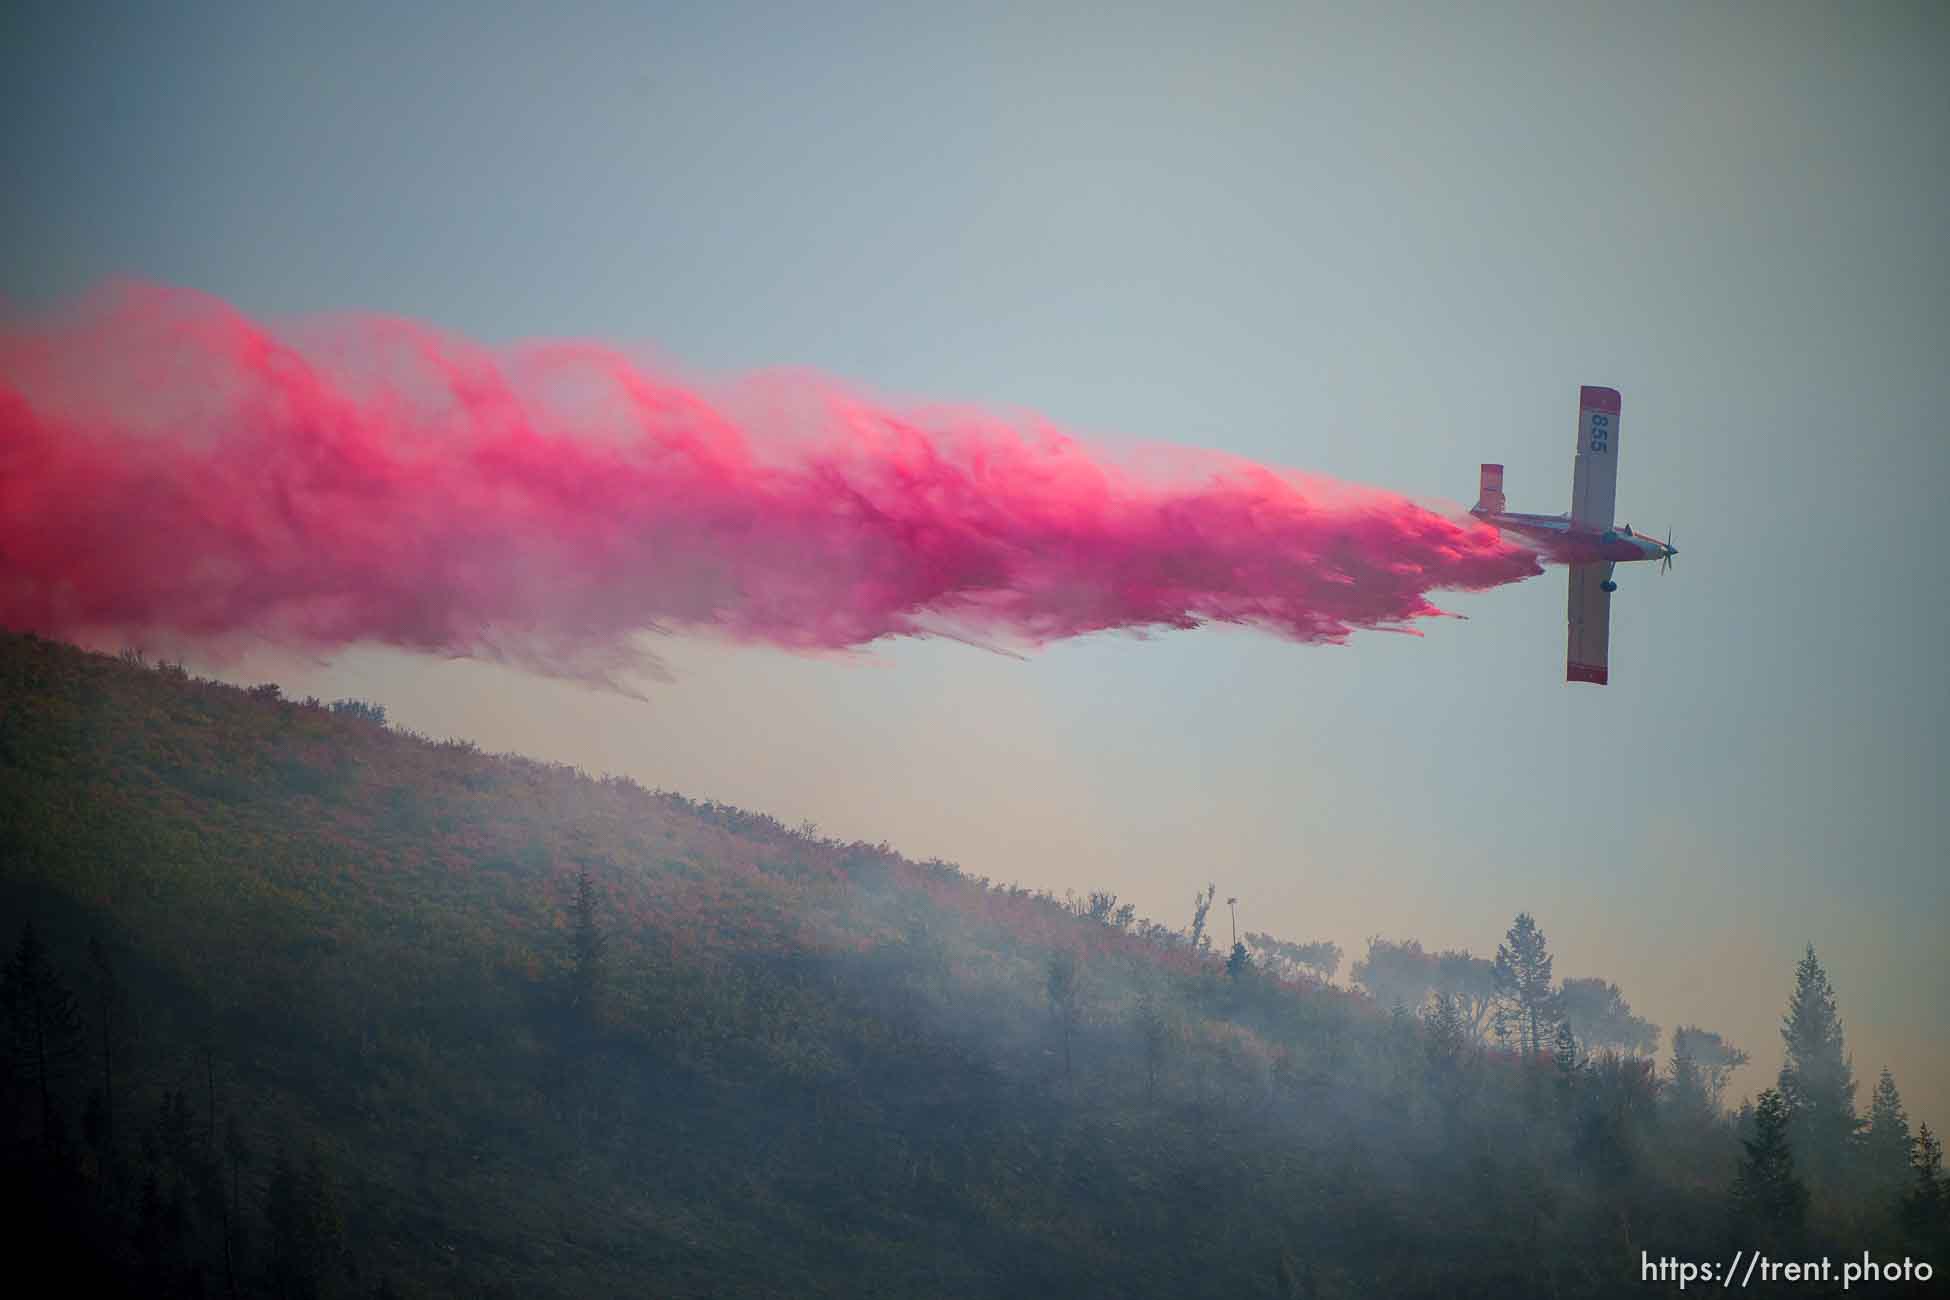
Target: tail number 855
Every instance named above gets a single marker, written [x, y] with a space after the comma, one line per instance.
[1600, 431]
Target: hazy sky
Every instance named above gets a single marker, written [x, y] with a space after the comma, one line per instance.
[1379, 242]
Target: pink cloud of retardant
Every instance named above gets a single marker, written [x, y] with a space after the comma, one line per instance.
[172, 471]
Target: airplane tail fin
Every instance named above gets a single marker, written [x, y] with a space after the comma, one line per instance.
[1489, 490]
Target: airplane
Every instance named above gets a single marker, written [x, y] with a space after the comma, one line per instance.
[1585, 538]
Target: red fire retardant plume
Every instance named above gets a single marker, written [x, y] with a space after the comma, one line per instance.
[172, 472]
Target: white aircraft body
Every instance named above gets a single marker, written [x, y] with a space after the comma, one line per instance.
[1584, 539]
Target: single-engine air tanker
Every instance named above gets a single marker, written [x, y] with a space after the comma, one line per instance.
[1584, 539]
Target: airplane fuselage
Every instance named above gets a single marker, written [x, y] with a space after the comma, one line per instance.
[1567, 543]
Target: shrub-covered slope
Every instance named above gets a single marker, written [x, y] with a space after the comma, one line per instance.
[360, 1013]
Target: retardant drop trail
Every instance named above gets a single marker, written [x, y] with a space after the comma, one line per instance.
[173, 471]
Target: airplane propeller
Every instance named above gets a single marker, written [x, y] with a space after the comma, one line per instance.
[1671, 550]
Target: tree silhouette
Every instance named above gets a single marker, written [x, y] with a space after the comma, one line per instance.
[1523, 983]
[1604, 1018]
[1446, 1044]
[363, 710]
[1715, 1058]
[1769, 1199]
[1887, 1147]
[1687, 1096]
[1817, 1082]
[44, 1030]
[1471, 981]
[1394, 972]
[1202, 904]
[1926, 1210]
[1239, 964]
[1564, 1051]
[1616, 1101]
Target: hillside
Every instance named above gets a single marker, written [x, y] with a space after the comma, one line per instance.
[360, 1013]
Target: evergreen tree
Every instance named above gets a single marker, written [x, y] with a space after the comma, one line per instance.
[1617, 1096]
[1240, 963]
[1448, 1033]
[1687, 1096]
[1817, 1082]
[1769, 1199]
[1887, 1147]
[1567, 1062]
[1446, 1043]
[1926, 1210]
[44, 1030]
[1523, 984]
[1564, 1050]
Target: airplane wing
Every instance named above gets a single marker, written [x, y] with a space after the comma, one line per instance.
[1585, 653]
[1594, 482]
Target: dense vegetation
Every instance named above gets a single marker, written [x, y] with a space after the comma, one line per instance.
[301, 1005]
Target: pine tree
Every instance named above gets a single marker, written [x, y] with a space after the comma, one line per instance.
[1887, 1146]
[1567, 1062]
[1817, 1081]
[1926, 1210]
[1564, 1050]
[44, 1030]
[1448, 1033]
[1523, 984]
[1446, 1043]
[1768, 1198]
[1687, 1097]
[1240, 963]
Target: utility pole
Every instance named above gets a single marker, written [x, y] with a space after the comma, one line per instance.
[1232, 905]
